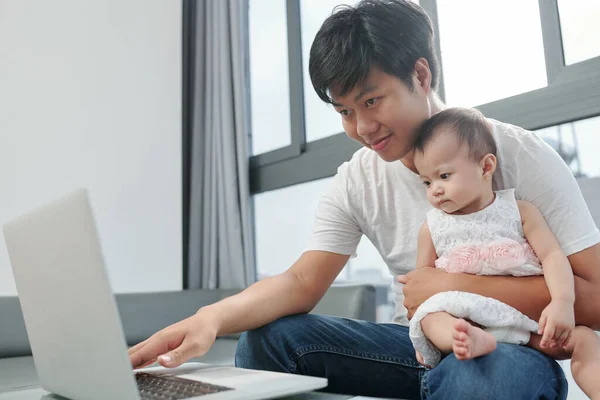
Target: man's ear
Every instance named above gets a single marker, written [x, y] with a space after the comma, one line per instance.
[488, 166]
[423, 75]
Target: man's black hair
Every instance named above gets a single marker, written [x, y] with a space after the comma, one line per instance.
[390, 35]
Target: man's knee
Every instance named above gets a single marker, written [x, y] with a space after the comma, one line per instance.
[246, 345]
[510, 372]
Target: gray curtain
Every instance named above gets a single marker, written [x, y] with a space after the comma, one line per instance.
[220, 237]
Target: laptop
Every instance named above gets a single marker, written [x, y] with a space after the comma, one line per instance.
[75, 331]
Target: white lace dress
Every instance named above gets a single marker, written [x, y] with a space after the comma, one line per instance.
[488, 242]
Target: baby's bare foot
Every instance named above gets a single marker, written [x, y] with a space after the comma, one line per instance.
[470, 341]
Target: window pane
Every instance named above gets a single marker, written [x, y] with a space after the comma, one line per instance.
[369, 267]
[269, 83]
[494, 53]
[282, 234]
[577, 143]
[321, 119]
[283, 221]
[580, 29]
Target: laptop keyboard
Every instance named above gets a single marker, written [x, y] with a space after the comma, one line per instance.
[167, 387]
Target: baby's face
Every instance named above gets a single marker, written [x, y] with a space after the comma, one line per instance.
[454, 182]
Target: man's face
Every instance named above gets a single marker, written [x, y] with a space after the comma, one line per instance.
[383, 114]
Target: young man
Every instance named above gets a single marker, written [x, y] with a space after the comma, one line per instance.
[376, 64]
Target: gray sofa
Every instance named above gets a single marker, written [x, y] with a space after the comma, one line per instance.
[142, 314]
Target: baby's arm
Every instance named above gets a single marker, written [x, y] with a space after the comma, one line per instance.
[558, 318]
[426, 257]
[426, 254]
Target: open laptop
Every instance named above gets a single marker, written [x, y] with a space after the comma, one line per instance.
[74, 327]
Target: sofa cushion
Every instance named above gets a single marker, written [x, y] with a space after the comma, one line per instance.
[143, 314]
[13, 337]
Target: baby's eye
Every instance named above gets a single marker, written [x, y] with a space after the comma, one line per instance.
[426, 183]
[344, 112]
[444, 176]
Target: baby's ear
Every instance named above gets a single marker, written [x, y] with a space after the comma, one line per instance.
[488, 164]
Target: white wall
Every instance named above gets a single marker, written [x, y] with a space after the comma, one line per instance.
[90, 96]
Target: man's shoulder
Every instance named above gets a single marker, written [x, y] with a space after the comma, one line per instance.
[363, 161]
[505, 132]
[517, 145]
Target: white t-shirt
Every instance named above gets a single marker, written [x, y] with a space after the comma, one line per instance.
[387, 202]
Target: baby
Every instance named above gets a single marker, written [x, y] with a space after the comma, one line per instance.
[473, 229]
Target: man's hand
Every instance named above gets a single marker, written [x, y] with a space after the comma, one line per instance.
[175, 344]
[556, 324]
[420, 359]
[421, 284]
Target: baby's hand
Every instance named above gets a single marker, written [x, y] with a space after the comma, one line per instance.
[557, 323]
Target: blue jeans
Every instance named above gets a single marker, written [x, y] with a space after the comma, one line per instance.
[370, 359]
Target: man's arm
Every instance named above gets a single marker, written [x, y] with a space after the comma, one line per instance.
[529, 295]
[295, 291]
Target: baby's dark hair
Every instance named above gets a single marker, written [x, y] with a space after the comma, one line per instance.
[468, 124]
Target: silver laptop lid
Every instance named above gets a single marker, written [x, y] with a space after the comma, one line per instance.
[70, 314]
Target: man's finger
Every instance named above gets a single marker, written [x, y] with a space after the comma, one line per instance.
[567, 339]
[188, 349]
[137, 347]
[564, 337]
[150, 351]
[142, 358]
[560, 334]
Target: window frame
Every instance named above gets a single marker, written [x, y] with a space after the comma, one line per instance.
[296, 85]
[568, 97]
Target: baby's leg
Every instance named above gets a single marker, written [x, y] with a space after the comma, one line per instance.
[450, 334]
[585, 361]
[584, 350]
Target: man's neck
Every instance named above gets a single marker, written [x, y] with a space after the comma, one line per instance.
[408, 161]
[435, 106]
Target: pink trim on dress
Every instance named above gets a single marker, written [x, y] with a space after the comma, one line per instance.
[500, 255]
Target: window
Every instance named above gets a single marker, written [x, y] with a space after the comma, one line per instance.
[505, 58]
[369, 267]
[321, 118]
[490, 50]
[270, 93]
[580, 29]
[577, 143]
[282, 234]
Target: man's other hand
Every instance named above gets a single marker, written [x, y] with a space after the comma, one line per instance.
[421, 284]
